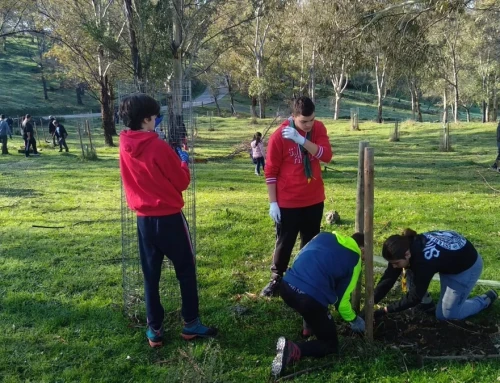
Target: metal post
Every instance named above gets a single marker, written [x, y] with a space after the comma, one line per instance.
[368, 231]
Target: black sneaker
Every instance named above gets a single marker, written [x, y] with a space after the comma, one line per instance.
[493, 295]
[287, 353]
[272, 289]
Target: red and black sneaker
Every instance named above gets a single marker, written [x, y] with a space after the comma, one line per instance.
[287, 353]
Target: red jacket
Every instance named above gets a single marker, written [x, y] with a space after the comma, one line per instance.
[152, 173]
[285, 168]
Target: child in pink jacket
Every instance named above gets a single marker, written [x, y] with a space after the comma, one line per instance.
[258, 153]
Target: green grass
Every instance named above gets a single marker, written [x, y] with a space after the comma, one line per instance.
[22, 90]
[61, 314]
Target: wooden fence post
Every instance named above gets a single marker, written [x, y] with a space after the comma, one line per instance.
[359, 225]
[368, 231]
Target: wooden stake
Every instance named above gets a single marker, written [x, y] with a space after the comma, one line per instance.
[369, 170]
[81, 142]
[359, 226]
[88, 132]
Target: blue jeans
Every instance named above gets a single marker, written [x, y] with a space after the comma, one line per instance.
[260, 162]
[167, 236]
[455, 289]
[497, 161]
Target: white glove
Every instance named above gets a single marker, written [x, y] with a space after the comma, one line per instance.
[274, 212]
[293, 134]
[358, 325]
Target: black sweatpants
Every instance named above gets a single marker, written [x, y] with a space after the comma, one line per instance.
[167, 236]
[318, 319]
[303, 220]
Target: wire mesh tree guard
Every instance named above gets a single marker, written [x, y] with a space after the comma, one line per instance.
[177, 129]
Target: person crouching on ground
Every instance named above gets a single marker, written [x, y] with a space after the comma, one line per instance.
[445, 252]
[325, 272]
[154, 177]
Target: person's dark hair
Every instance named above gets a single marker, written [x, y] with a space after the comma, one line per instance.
[257, 137]
[55, 122]
[303, 106]
[359, 238]
[27, 116]
[396, 246]
[134, 109]
[2, 116]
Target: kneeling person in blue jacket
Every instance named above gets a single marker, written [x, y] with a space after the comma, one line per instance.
[325, 272]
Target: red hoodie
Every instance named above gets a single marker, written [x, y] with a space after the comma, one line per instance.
[152, 173]
[285, 167]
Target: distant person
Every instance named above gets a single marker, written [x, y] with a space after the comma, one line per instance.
[258, 152]
[61, 134]
[117, 117]
[445, 252]
[10, 121]
[496, 165]
[325, 272]
[29, 136]
[5, 132]
[294, 184]
[154, 177]
[52, 129]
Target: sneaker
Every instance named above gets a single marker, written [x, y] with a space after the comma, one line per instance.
[155, 337]
[492, 295]
[287, 353]
[272, 289]
[195, 329]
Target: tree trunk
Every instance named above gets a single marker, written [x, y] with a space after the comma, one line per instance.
[262, 107]
[468, 113]
[217, 106]
[379, 111]
[337, 106]
[445, 108]
[484, 112]
[412, 94]
[176, 43]
[231, 95]
[494, 112]
[418, 109]
[134, 49]
[254, 107]
[44, 84]
[107, 115]
[312, 75]
[79, 94]
[4, 44]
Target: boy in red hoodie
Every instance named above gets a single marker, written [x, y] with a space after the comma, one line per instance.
[294, 184]
[154, 177]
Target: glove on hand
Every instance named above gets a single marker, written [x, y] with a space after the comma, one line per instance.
[274, 212]
[358, 325]
[293, 134]
[184, 156]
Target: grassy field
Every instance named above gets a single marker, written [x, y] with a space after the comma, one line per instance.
[22, 90]
[61, 317]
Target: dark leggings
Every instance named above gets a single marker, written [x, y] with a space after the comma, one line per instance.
[318, 319]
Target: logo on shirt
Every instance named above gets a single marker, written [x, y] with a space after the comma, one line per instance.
[448, 240]
[294, 152]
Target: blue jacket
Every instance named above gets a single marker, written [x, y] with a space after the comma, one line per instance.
[327, 269]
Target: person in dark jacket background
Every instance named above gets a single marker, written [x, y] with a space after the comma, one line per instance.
[445, 252]
[61, 134]
[496, 164]
[29, 136]
[325, 272]
[154, 177]
[52, 129]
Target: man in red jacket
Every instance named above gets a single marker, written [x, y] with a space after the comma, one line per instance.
[154, 177]
[294, 184]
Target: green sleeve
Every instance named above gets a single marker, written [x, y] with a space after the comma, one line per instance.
[345, 309]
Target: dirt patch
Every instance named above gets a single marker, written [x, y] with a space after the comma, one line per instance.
[425, 335]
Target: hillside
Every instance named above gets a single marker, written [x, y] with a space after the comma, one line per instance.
[21, 89]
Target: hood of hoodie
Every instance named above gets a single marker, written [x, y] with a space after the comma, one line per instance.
[134, 142]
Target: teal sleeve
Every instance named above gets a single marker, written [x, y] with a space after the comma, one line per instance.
[345, 309]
